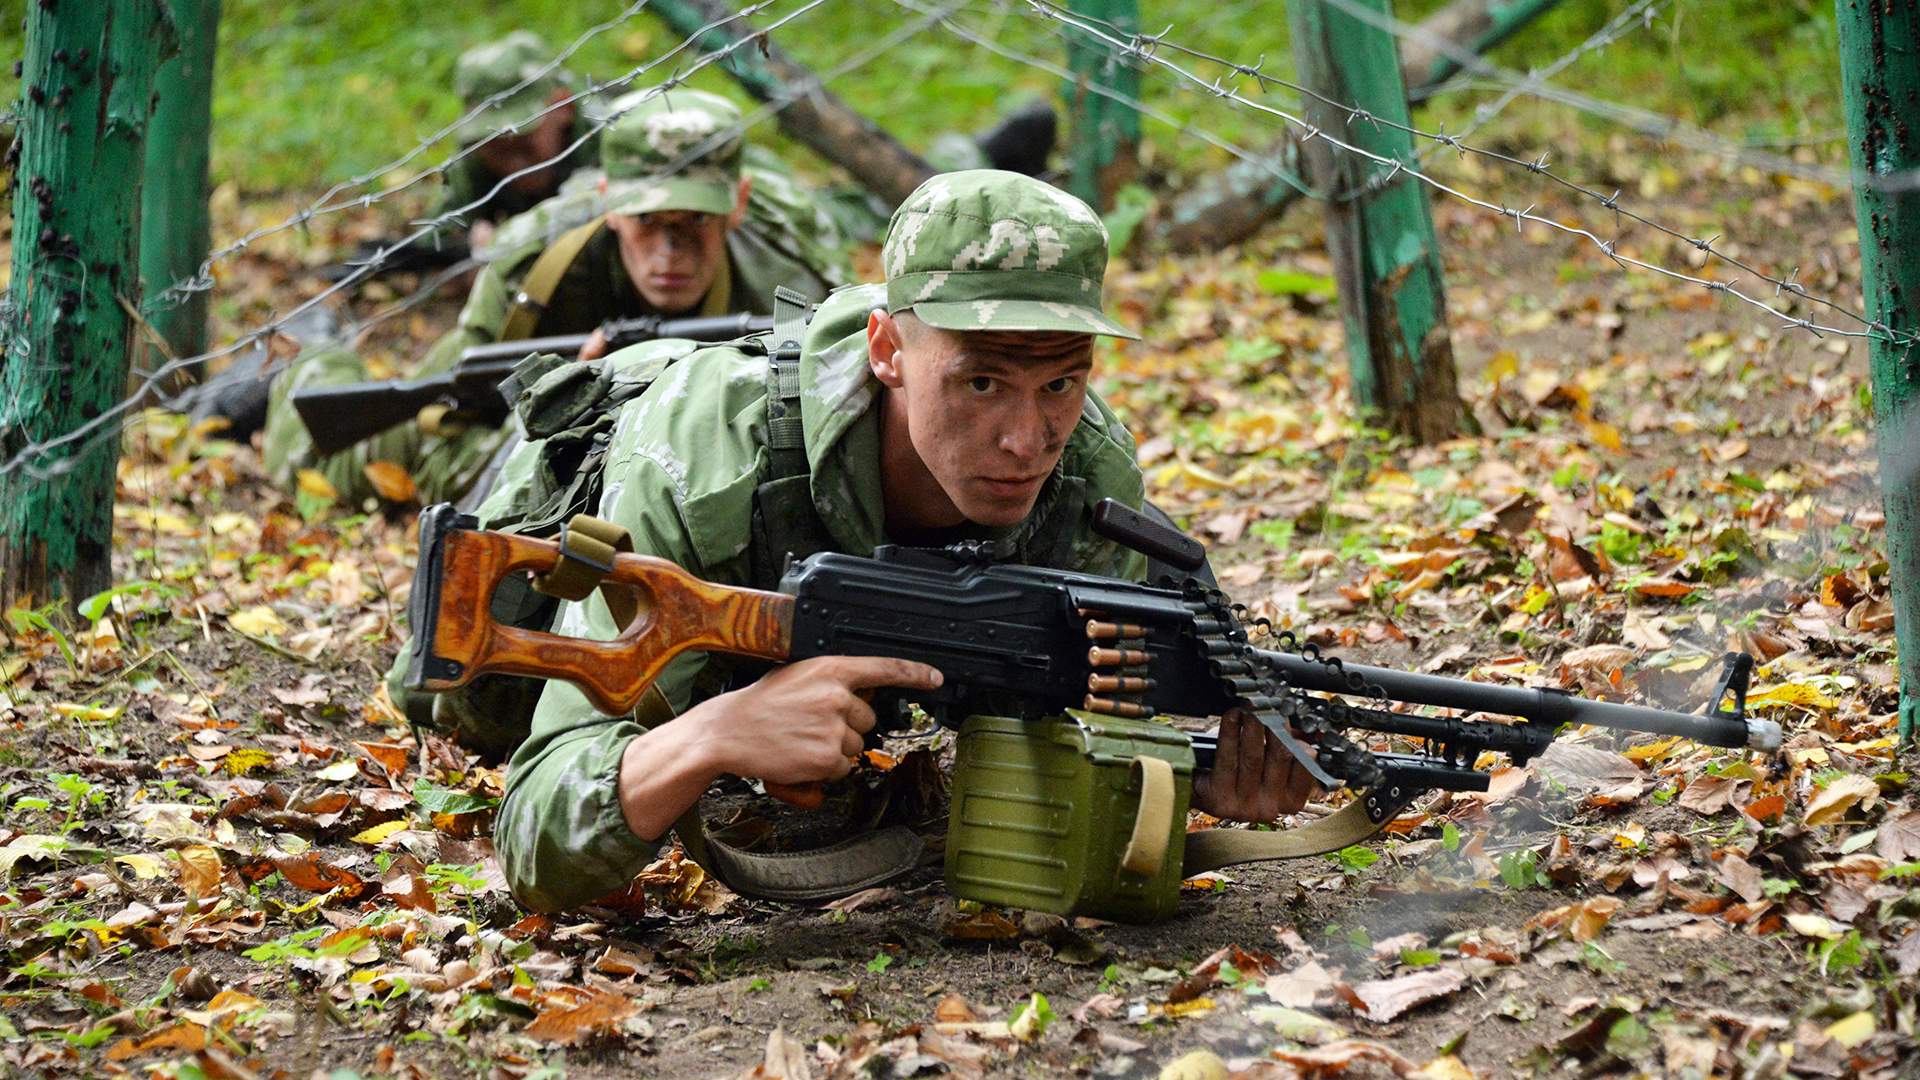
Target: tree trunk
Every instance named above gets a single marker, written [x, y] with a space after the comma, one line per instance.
[1386, 258]
[86, 94]
[174, 229]
[1880, 72]
[817, 117]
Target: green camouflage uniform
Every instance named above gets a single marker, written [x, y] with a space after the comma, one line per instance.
[642, 155]
[496, 68]
[970, 250]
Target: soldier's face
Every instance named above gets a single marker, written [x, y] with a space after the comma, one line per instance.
[974, 421]
[672, 257]
[531, 154]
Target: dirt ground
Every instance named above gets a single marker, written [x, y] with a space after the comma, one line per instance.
[1666, 920]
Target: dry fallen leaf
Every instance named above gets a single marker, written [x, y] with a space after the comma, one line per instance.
[1380, 1000]
[392, 482]
[1831, 803]
[593, 1011]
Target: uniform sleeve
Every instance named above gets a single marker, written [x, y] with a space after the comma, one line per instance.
[561, 836]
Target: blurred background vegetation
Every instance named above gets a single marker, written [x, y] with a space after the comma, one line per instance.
[312, 92]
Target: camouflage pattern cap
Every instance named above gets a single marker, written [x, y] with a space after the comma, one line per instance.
[652, 131]
[496, 68]
[991, 250]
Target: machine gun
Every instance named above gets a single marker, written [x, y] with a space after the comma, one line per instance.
[340, 416]
[1025, 642]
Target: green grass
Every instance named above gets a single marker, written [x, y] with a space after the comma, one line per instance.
[312, 92]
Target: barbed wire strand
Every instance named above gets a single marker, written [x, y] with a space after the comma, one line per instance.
[1644, 121]
[202, 280]
[1143, 47]
[147, 388]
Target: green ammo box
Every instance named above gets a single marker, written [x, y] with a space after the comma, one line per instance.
[1046, 815]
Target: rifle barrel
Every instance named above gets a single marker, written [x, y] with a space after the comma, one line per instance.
[1529, 702]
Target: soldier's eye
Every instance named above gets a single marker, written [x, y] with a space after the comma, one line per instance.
[980, 384]
[1062, 385]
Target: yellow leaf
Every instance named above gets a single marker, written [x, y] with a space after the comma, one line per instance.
[1632, 836]
[1187, 1008]
[1652, 751]
[1446, 1067]
[245, 760]
[392, 481]
[1853, 1030]
[379, 833]
[145, 867]
[316, 485]
[1605, 434]
[87, 714]
[340, 771]
[1196, 1065]
[259, 621]
[1503, 364]
[1831, 803]
[1815, 926]
[1799, 695]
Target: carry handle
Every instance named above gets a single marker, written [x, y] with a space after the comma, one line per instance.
[1153, 822]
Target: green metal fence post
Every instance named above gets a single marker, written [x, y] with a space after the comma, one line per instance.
[1880, 70]
[1103, 151]
[174, 229]
[1380, 235]
[86, 91]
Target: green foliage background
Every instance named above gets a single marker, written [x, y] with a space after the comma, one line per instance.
[311, 92]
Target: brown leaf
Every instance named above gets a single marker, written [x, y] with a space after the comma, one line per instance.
[1742, 877]
[409, 891]
[181, 1036]
[392, 481]
[986, 925]
[954, 1009]
[1830, 804]
[881, 896]
[1712, 794]
[1380, 1000]
[1664, 587]
[597, 1012]
[199, 870]
[1582, 921]
[392, 757]
[308, 692]
[1334, 1059]
[1899, 839]
[311, 873]
[1602, 776]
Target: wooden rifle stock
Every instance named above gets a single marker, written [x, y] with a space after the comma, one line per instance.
[457, 639]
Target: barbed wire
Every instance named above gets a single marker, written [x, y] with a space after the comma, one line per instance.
[202, 280]
[1644, 121]
[1144, 48]
[106, 422]
[1639, 14]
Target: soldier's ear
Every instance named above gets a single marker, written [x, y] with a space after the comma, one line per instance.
[740, 203]
[884, 357]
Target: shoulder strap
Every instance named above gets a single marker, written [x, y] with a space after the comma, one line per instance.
[536, 289]
[786, 436]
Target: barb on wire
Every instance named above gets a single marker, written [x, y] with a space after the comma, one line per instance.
[147, 389]
[1267, 162]
[202, 279]
[1873, 329]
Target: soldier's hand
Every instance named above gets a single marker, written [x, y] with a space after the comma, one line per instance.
[595, 346]
[1253, 777]
[807, 721]
[479, 234]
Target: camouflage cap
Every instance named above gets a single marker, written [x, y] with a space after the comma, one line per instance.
[652, 131]
[991, 250]
[497, 67]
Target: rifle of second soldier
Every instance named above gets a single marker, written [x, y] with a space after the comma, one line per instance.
[340, 416]
[1018, 641]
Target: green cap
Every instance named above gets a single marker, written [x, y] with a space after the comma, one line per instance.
[496, 68]
[992, 250]
[652, 132]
